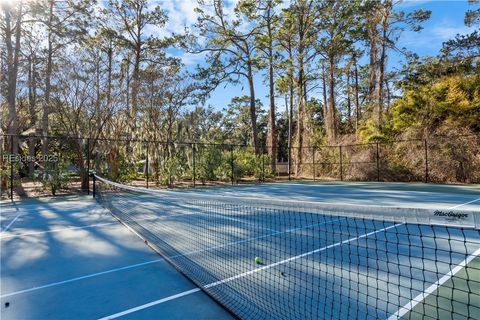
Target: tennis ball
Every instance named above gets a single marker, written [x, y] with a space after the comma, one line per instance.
[258, 260]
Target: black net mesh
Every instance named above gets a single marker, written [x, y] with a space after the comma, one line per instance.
[264, 259]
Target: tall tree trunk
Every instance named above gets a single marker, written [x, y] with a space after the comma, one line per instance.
[290, 116]
[331, 125]
[349, 100]
[372, 34]
[48, 87]
[13, 53]
[32, 91]
[272, 132]
[324, 94]
[300, 117]
[135, 87]
[381, 71]
[32, 102]
[253, 109]
[357, 100]
[109, 76]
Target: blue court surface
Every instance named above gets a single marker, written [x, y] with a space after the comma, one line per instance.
[69, 258]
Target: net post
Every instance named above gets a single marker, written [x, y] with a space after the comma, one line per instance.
[232, 164]
[378, 163]
[193, 164]
[11, 167]
[313, 162]
[341, 164]
[88, 165]
[147, 169]
[426, 160]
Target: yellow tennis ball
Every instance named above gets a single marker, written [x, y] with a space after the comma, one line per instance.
[258, 260]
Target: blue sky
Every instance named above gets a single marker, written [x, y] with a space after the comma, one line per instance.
[446, 21]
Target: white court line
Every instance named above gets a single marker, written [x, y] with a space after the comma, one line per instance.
[241, 275]
[157, 260]
[422, 296]
[56, 230]
[460, 205]
[62, 229]
[11, 223]
[151, 304]
[80, 278]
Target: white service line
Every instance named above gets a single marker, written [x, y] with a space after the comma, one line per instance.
[432, 288]
[151, 304]
[461, 205]
[10, 224]
[241, 275]
[80, 278]
[422, 296]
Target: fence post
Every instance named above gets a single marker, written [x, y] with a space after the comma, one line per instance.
[88, 165]
[313, 160]
[147, 169]
[193, 164]
[11, 167]
[231, 163]
[341, 164]
[263, 167]
[289, 162]
[426, 160]
[94, 185]
[378, 163]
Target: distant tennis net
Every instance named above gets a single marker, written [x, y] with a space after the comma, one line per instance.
[269, 259]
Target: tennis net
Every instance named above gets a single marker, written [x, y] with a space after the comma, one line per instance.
[269, 259]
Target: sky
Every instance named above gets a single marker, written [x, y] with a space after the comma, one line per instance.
[446, 21]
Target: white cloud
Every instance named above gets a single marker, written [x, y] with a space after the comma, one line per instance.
[445, 32]
[190, 59]
[432, 37]
[180, 14]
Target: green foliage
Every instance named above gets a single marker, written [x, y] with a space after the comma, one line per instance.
[123, 169]
[368, 132]
[210, 162]
[56, 177]
[171, 171]
[247, 163]
[451, 100]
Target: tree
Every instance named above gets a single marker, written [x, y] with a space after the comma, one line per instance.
[237, 120]
[133, 17]
[65, 22]
[338, 27]
[11, 32]
[392, 24]
[465, 47]
[285, 81]
[231, 53]
[269, 20]
[302, 14]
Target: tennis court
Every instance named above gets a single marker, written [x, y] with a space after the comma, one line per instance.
[296, 250]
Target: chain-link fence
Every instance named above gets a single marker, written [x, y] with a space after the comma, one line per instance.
[37, 165]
